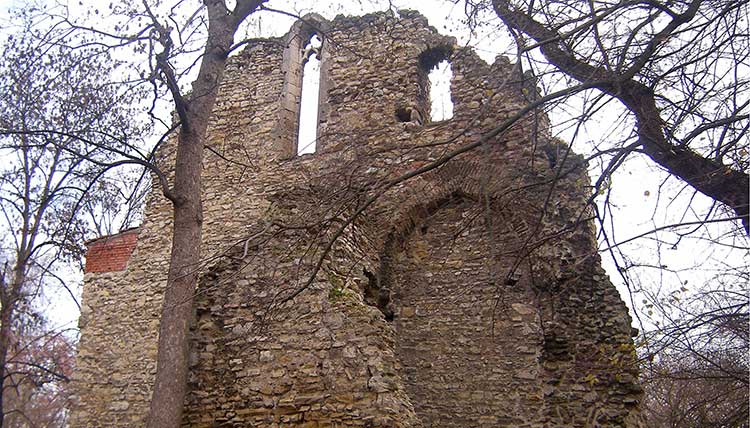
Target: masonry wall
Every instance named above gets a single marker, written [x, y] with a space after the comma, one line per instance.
[469, 295]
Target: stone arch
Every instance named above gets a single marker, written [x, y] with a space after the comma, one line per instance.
[465, 336]
[466, 332]
[578, 328]
[479, 181]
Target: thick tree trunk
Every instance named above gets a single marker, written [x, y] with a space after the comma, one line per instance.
[8, 300]
[170, 386]
[712, 178]
[5, 319]
[172, 360]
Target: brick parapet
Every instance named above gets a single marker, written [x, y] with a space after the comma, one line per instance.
[111, 253]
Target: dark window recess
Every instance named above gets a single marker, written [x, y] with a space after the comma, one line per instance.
[403, 114]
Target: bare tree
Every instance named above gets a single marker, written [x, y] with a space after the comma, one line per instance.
[696, 368]
[665, 63]
[678, 71]
[53, 101]
[185, 29]
[39, 366]
[194, 112]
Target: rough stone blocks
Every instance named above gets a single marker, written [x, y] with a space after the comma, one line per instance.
[392, 278]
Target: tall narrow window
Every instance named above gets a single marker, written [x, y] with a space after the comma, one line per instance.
[441, 105]
[308, 109]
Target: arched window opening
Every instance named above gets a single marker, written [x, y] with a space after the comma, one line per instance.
[441, 105]
[309, 99]
[436, 74]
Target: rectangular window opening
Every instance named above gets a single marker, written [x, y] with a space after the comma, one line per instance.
[441, 105]
[309, 99]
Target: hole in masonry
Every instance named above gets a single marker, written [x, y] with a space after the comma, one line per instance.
[403, 114]
[376, 296]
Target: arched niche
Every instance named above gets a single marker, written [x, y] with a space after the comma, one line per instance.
[499, 305]
[468, 333]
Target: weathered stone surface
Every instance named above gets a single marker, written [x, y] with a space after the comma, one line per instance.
[470, 295]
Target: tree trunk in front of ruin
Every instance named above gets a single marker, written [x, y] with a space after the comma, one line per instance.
[6, 314]
[9, 295]
[172, 361]
[170, 385]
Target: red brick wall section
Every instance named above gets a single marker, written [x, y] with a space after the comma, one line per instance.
[111, 253]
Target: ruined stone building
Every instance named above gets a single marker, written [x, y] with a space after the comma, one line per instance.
[466, 294]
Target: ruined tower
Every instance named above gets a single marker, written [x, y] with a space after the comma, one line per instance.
[391, 278]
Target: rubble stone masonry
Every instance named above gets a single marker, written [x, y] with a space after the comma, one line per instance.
[468, 295]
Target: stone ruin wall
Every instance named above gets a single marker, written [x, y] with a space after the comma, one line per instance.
[470, 295]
